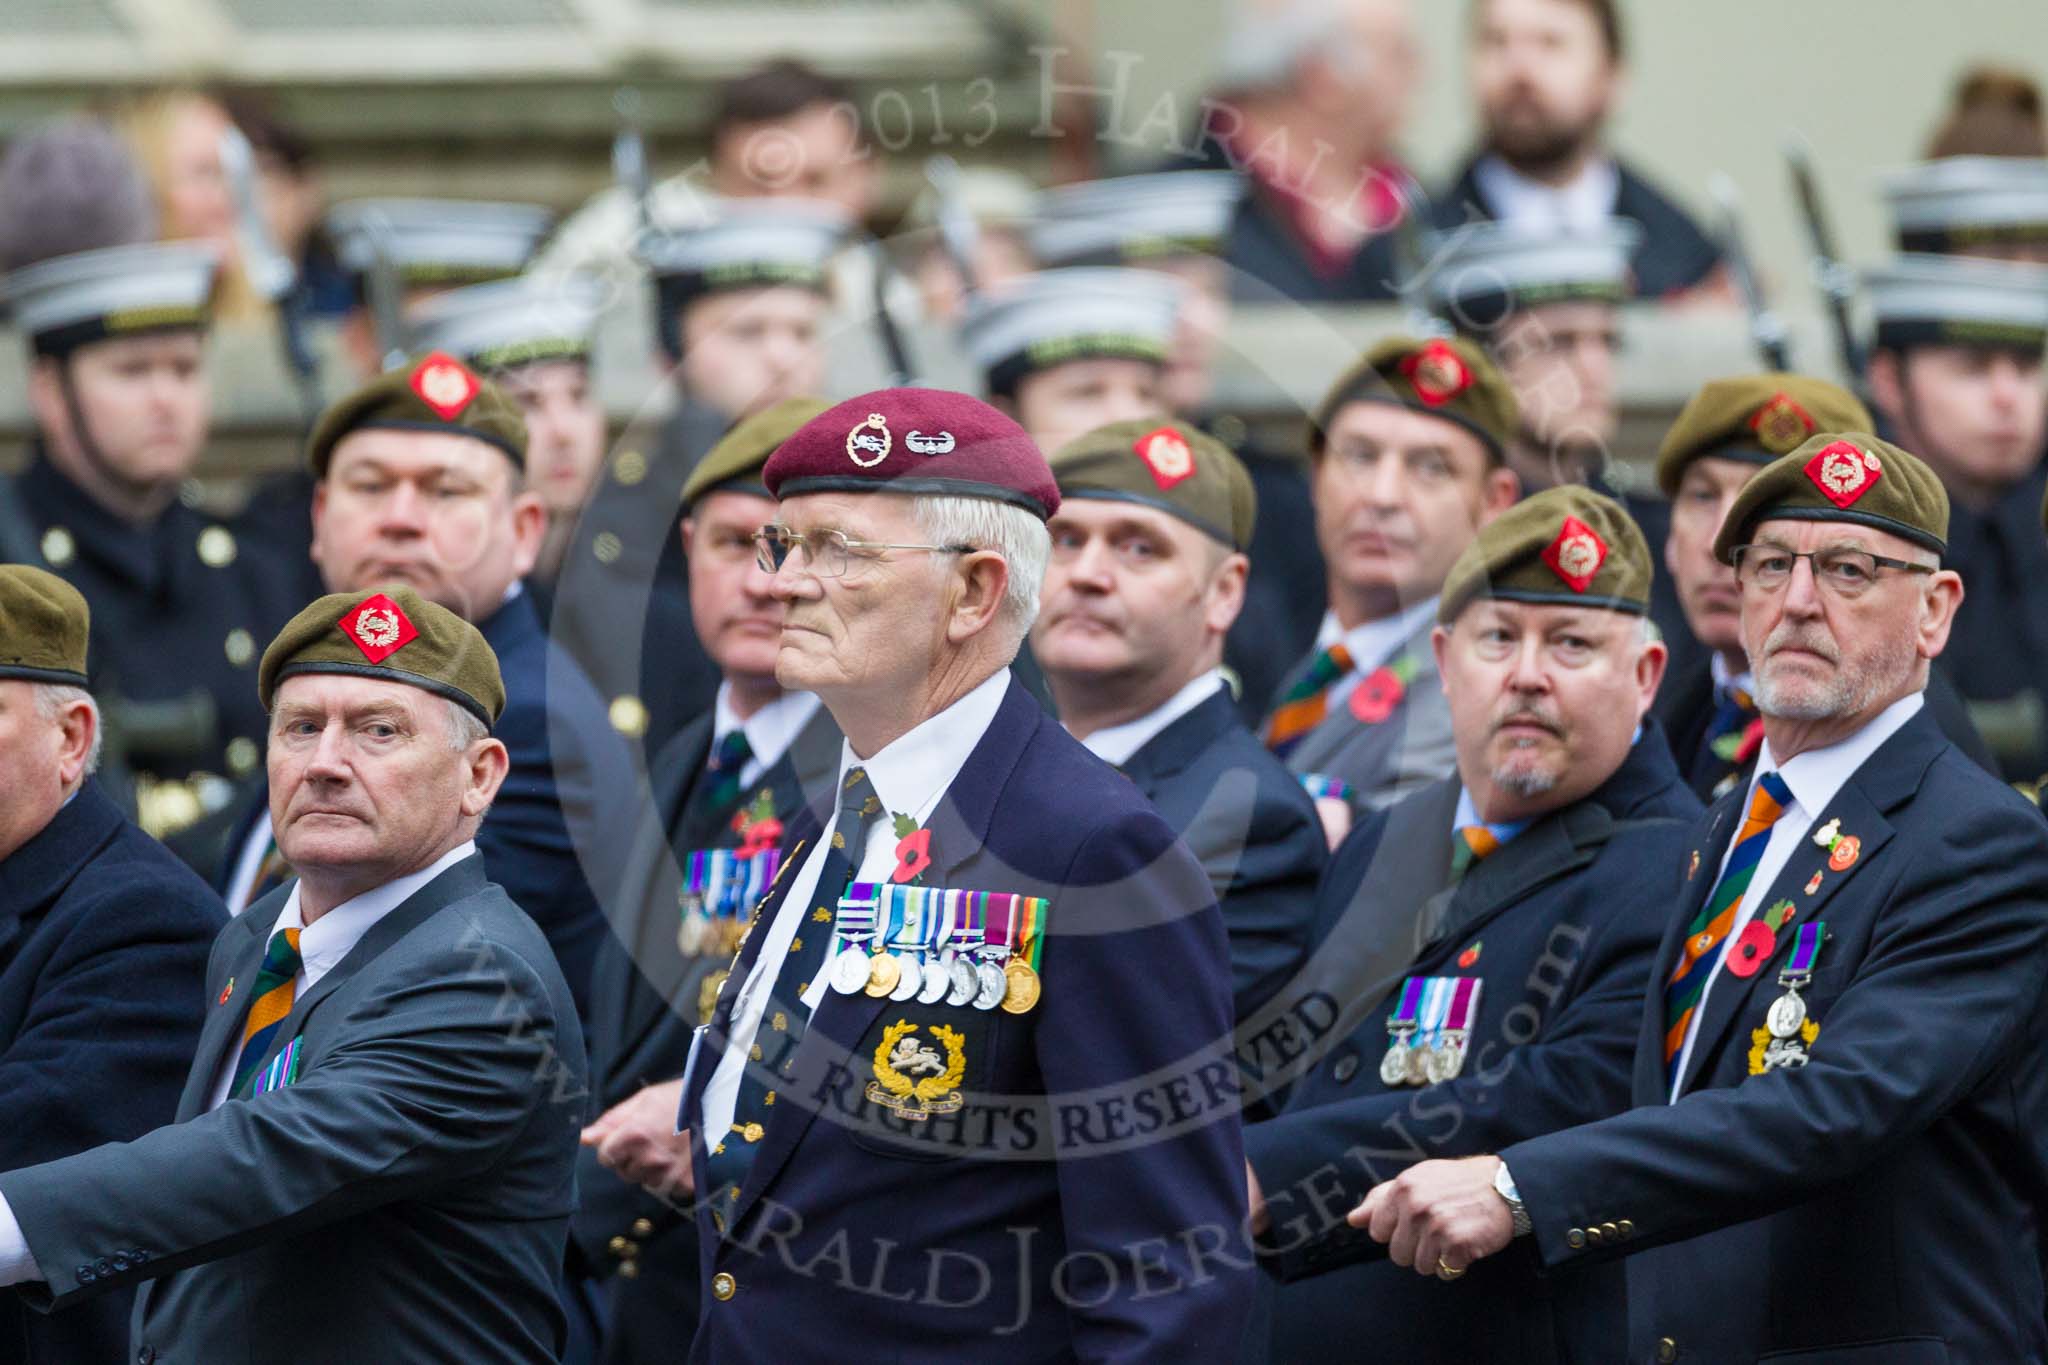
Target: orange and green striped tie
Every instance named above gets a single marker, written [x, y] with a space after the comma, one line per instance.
[1709, 928]
[1473, 843]
[274, 988]
[1308, 701]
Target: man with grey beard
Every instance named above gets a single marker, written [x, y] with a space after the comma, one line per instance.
[1841, 1067]
[1489, 937]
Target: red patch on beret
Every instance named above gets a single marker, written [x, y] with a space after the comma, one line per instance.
[1844, 472]
[1166, 453]
[445, 385]
[1438, 373]
[378, 627]
[915, 441]
[1781, 425]
[1576, 554]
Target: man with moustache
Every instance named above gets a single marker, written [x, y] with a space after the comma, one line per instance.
[373, 1155]
[866, 1123]
[1407, 461]
[723, 789]
[419, 478]
[1727, 431]
[103, 941]
[1487, 937]
[1957, 373]
[1146, 577]
[1835, 1152]
[1548, 74]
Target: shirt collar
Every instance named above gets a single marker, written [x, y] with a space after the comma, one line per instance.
[912, 771]
[329, 939]
[1372, 643]
[1117, 743]
[1581, 206]
[1815, 776]
[1468, 814]
[771, 730]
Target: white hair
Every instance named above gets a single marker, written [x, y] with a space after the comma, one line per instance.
[1267, 39]
[52, 698]
[465, 727]
[1015, 534]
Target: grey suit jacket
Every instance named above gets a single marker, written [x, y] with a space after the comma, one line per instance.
[406, 1199]
[1383, 761]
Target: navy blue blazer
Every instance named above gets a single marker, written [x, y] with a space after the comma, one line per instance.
[1080, 1205]
[1884, 1203]
[1254, 830]
[647, 999]
[103, 944]
[1555, 925]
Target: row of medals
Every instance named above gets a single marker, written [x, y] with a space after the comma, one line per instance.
[1431, 1063]
[711, 936]
[954, 978]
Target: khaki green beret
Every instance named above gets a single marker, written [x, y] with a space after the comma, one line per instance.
[1847, 476]
[437, 392]
[43, 625]
[1755, 418]
[1170, 466]
[735, 463]
[391, 633]
[1447, 377]
[1566, 546]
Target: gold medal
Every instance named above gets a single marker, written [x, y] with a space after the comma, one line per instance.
[884, 971]
[1020, 987]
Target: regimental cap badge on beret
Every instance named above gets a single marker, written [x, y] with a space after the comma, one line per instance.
[1844, 472]
[445, 384]
[1576, 554]
[869, 443]
[1438, 373]
[1781, 424]
[1165, 454]
[378, 627]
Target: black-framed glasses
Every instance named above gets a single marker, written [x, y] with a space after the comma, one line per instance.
[827, 553]
[1842, 571]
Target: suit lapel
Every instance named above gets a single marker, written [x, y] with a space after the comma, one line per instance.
[1710, 841]
[959, 829]
[1547, 850]
[223, 1026]
[1169, 752]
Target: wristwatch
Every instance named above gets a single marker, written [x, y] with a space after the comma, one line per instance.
[1504, 1186]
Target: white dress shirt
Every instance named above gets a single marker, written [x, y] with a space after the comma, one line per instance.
[255, 848]
[1116, 743]
[1582, 206]
[770, 731]
[322, 944]
[1814, 778]
[1370, 643]
[910, 775]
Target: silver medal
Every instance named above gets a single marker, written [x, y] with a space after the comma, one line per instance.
[912, 977]
[938, 981]
[994, 985]
[1394, 1066]
[1788, 1014]
[966, 982]
[690, 938]
[850, 971]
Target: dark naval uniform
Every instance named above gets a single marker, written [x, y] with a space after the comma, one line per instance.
[1998, 647]
[1283, 593]
[103, 944]
[1255, 831]
[647, 999]
[1555, 929]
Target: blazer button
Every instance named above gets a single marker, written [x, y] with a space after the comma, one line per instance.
[86, 1275]
[1612, 1231]
[618, 1246]
[723, 1286]
[1628, 1229]
[1346, 1068]
[1667, 1350]
[1575, 1238]
[1593, 1236]
[629, 1270]
[120, 1260]
[146, 1356]
[642, 1228]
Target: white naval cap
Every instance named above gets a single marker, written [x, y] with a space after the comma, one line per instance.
[437, 241]
[1967, 203]
[70, 301]
[1927, 300]
[511, 322]
[1481, 272]
[743, 243]
[1050, 317]
[1135, 217]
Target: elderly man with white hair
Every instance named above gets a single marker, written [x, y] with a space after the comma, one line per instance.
[1047, 1172]
[103, 941]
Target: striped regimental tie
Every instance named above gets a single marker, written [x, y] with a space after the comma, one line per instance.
[274, 990]
[1473, 843]
[1308, 701]
[1709, 928]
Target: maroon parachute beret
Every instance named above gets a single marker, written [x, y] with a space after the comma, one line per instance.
[929, 441]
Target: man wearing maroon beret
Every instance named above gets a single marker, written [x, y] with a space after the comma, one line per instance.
[967, 1093]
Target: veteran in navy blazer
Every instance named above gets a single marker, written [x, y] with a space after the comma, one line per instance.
[1837, 1152]
[103, 941]
[1050, 1168]
[1146, 579]
[374, 1151]
[1513, 887]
